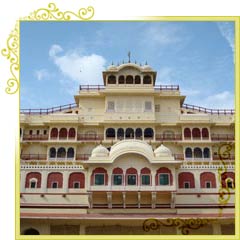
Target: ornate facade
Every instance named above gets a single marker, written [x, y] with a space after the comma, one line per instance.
[124, 153]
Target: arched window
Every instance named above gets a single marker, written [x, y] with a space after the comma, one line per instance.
[205, 133]
[188, 153]
[31, 231]
[147, 79]
[196, 133]
[33, 180]
[52, 152]
[111, 79]
[164, 177]
[206, 153]
[71, 133]
[63, 133]
[138, 133]
[207, 180]
[186, 180]
[61, 153]
[110, 133]
[54, 133]
[228, 179]
[76, 180]
[187, 133]
[197, 153]
[137, 79]
[99, 176]
[117, 176]
[129, 133]
[146, 176]
[129, 79]
[120, 133]
[148, 133]
[121, 80]
[55, 180]
[131, 176]
[70, 153]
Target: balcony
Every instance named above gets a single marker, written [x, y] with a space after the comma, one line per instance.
[82, 157]
[29, 156]
[35, 137]
[90, 137]
[222, 137]
[167, 137]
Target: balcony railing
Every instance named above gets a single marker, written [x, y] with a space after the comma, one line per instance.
[33, 156]
[35, 137]
[166, 87]
[41, 111]
[82, 157]
[208, 110]
[90, 137]
[167, 137]
[224, 157]
[222, 137]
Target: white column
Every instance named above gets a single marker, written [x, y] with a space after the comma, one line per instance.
[173, 194]
[216, 229]
[65, 181]
[109, 199]
[154, 198]
[90, 200]
[23, 181]
[44, 181]
[124, 199]
[139, 199]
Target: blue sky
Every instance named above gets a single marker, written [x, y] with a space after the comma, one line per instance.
[56, 57]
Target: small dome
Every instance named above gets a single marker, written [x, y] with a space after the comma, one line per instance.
[100, 151]
[162, 151]
[146, 67]
[112, 67]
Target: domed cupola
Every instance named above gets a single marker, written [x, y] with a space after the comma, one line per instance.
[112, 67]
[100, 151]
[162, 151]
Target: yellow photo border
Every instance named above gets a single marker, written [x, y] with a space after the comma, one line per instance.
[52, 13]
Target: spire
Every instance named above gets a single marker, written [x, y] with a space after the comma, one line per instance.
[129, 56]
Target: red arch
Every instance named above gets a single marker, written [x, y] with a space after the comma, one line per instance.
[63, 133]
[55, 177]
[145, 171]
[163, 170]
[207, 177]
[99, 170]
[186, 177]
[205, 133]
[76, 177]
[196, 133]
[36, 175]
[54, 133]
[226, 175]
[71, 133]
[117, 171]
[187, 133]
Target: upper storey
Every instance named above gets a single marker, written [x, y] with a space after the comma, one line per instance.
[129, 74]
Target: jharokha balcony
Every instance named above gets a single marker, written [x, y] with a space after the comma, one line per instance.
[222, 137]
[33, 157]
[90, 137]
[35, 137]
[167, 137]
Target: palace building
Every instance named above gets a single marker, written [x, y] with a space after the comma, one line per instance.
[128, 157]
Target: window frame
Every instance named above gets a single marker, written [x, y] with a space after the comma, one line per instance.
[150, 183]
[208, 182]
[76, 182]
[110, 109]
[113, 175]
[53, 184]
[33, 180]
[187, 182]
[136, 183]
[145, 106]
[95, 174]
[168, 179]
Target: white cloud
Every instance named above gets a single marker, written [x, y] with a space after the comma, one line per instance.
[227, 31]
[54, 50]
[220, 100]
[163, 34]
[42, 74]
[80, 69]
